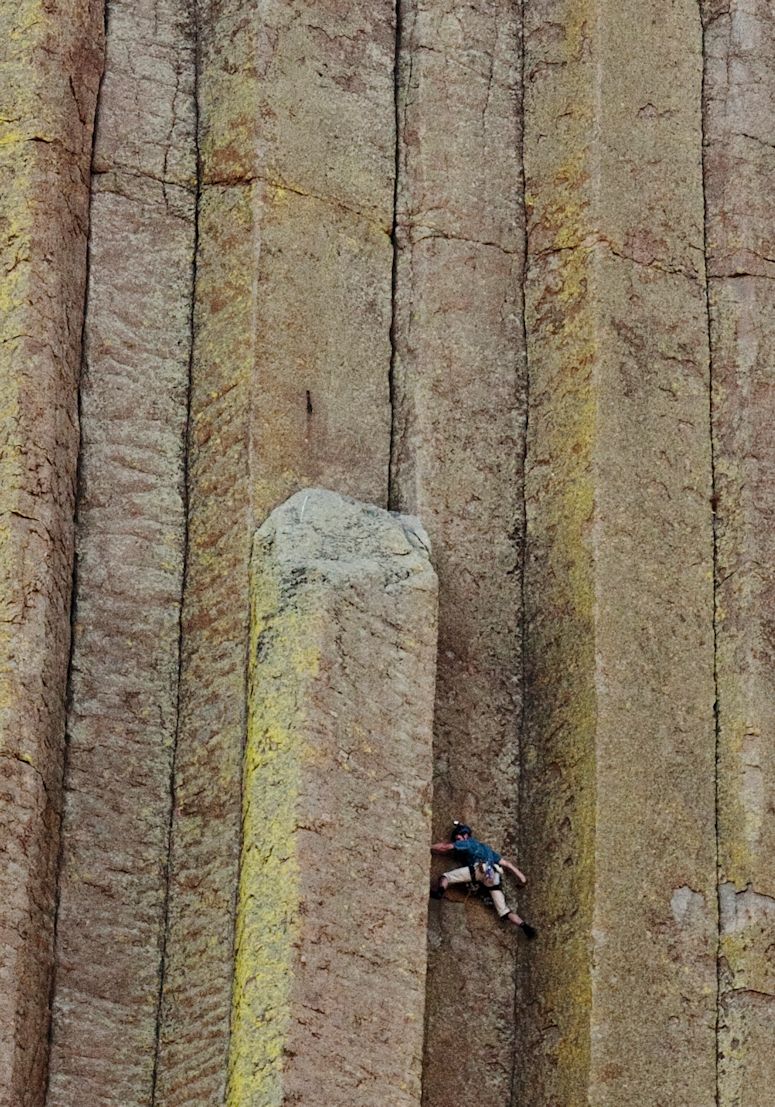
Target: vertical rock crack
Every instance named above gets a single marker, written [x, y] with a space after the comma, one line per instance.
[78, 495]
[521, 723]
[714, 526]
[391, 492]
[186, 497]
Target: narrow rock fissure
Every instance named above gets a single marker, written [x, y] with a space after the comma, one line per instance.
[274, 181]
[714, 538]
[78, 496]
[186, 497]
[391, 490]
[522, 720]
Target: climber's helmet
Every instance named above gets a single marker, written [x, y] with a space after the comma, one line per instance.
[460, 830]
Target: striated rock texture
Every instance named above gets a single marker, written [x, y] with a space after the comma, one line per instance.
[50, 63]
[458, 444]
[130, 539]
[619, 806]
[739, 171]
[330, 958]
[289, 386]
[504, 266]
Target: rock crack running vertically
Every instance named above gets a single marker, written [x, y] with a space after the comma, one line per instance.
[458, 371]
[738, 106]
[289, 386]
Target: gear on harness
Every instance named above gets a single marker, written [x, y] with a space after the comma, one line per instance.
[481, 892]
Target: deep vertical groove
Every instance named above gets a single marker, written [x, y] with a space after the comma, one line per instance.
[186, 497]
[392, 497]
[714, 536]
[522, 721]
[77, 497]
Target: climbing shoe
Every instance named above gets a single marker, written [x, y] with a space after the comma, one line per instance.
[528, 930]
[437, 893]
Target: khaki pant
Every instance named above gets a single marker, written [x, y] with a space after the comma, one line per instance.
[463, 876]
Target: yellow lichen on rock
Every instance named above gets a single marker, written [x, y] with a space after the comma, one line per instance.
[617, 487]
[269, 896]
[329, 968]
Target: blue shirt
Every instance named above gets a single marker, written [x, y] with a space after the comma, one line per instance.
[470, 851]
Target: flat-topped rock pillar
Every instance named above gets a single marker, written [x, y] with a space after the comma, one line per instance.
[331, 926]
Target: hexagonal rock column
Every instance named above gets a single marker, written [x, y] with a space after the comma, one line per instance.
[618, 789]
[331, 930]
[289, 388]
[458, 443]
[122, 710]
[50, 64]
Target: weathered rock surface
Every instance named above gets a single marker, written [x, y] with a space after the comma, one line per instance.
[457, 394]
[50, 62]
[619, 815]
[739, 174]
[330, 958]
[129, 547]
[205, 845]
[290, 386]
[356, 235]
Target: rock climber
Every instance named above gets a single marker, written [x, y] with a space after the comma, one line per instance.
[482, 867]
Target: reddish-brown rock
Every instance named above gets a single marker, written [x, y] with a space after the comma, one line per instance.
[50, 62]
[330, 957]
[739, 173]
[129, 545]
[458, 407]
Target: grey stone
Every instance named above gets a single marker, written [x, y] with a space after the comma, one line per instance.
[330, 956]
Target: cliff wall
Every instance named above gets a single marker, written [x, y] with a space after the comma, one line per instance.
[505, 267]
[50, 66]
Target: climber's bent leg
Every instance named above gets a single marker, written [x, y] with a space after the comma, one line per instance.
[454, 876]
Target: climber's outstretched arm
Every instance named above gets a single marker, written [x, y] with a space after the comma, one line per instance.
[442, 847]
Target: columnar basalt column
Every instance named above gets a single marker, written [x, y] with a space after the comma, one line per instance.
[50, 64]
[129, 546]
[618, 798]
[458, 445]
[739, 176]
[290, 385]
[330, 959]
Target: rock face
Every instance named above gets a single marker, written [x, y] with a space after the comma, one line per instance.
[330, 957]
[740, 163]
[458, 394]
[619, 815]
[289, 386]
[50, 62]
[130, 546]
[505, 267]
